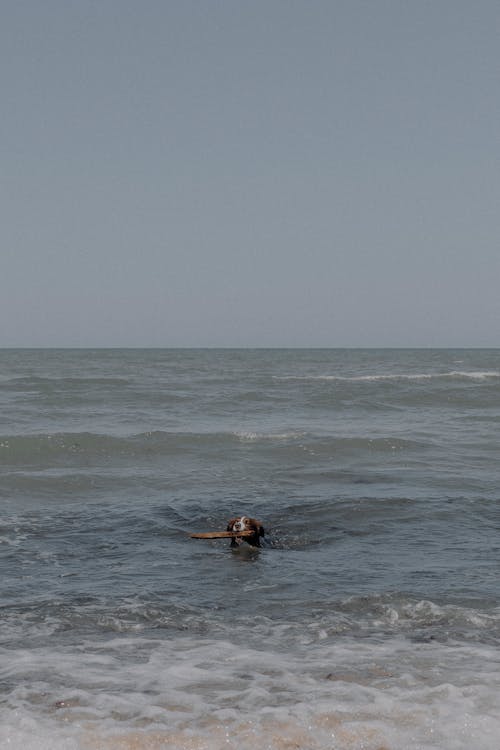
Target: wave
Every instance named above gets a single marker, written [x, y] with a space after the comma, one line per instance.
[43, 448]
[371, 615]
[40, 382]
[254, 436]
[422, 618]
[156, 441]
[479, 375]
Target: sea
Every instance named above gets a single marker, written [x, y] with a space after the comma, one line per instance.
[370, 620]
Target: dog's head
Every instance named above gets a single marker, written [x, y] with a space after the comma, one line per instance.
[244, 523]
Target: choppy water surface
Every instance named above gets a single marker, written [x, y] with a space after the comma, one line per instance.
[370, 620]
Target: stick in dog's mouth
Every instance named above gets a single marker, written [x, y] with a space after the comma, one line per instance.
[220, 534]
[240, 529]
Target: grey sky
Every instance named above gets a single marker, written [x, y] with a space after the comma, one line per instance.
[258, 173]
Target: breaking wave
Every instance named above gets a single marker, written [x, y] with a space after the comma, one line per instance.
[478, 375]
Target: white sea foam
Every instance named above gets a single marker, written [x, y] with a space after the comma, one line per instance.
[330, 694]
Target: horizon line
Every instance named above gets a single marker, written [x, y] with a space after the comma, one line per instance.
[239, 348]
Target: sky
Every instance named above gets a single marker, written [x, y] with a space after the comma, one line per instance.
[247, 173]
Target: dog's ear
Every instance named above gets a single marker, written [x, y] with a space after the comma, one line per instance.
[257, 526]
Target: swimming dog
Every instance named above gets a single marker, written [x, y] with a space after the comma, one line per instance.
[244, 523]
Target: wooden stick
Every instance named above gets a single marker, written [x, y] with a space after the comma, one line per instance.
[221, 534]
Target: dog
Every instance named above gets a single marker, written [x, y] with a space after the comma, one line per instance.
[244, 523]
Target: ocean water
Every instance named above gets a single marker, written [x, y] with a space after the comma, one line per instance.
[369, 621]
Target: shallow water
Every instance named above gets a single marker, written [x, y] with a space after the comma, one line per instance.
[371, 618]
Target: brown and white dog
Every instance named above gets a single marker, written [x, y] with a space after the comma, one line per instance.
[244, 523]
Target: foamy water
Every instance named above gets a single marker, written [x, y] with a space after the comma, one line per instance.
[371, 618]
[323, 691]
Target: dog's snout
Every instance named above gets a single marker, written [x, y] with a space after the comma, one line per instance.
[238, 526]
